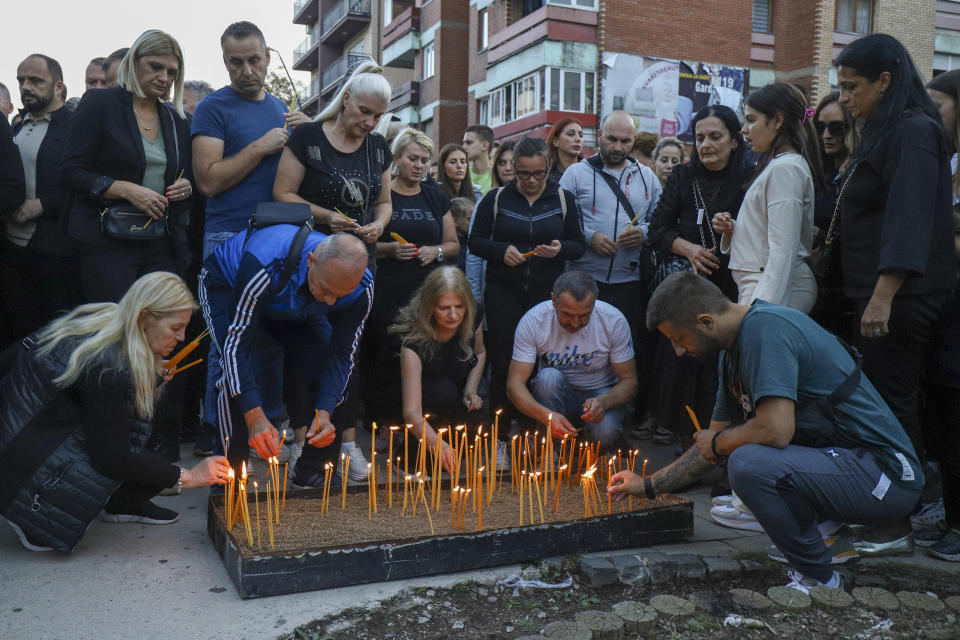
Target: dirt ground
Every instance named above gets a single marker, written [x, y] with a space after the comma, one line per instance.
[501, 612]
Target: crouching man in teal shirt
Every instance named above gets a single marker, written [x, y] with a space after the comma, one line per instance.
[808, 436]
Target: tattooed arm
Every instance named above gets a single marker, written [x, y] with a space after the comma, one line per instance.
[685, 470]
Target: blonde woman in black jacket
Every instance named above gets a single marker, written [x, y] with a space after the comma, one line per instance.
[128, 147]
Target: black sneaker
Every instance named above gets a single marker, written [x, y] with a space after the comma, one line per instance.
[948, 548]
[145, 513]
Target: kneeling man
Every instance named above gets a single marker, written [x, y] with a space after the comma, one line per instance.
[808, 436]
[586, 361]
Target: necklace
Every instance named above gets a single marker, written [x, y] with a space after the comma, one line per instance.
[140, 122]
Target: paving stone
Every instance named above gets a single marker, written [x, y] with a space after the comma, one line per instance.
[953, 602]
[832, 598]
[946, 633]
[637, 617]
[714, 603]
[750, 599]
[661, 566]
[751, 566]
[530, 638]
[920, 601]
[721, 567]
[630, 569]
[872, 580]
[567, 630]
[599, 572]
[875, 598]
[672, 606]
[689, 566]
[604, 625]
[788, 598]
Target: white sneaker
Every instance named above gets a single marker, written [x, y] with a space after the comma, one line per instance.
[722, 501]
[23, 539]
[295, 450]
[802, 583]
[358, 463]
[730, 516]
[503, 458]
[929, 515]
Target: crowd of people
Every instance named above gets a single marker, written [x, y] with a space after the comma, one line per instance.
[790, 279]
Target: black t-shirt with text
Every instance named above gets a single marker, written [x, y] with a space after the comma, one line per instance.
[418, 219]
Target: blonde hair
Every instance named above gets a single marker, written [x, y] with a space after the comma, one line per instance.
[152, 43]
[105, 325]
[667, 142]
[415, 320]
[366, 80]
[403, 140]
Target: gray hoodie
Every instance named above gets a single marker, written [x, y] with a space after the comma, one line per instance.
[602, 212]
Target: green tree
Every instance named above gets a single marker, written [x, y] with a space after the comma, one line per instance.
[279, 85]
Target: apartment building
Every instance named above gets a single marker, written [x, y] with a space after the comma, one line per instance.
[521, 65]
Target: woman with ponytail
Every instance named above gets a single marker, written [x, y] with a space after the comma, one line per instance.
[340, 166]
[77, 405]
[774, 228]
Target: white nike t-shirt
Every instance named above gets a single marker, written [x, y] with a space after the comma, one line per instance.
[583, 357]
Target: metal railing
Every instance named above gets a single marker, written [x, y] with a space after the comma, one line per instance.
[332, 74]
[340, 11]
[298, 5]
[313, 90]
[306, 45]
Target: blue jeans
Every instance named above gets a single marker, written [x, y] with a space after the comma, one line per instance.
[211, 241]
[790, 490]
[553, 391]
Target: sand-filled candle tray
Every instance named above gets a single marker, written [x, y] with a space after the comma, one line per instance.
[346, 546]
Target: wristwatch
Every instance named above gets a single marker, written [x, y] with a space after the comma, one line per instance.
[439, 254]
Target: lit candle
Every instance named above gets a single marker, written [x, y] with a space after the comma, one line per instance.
[256, 498]
[536, 481]
[480, 505]
[406, 492]
[406, 450]
[643, 476]
[426, 507]
[269, 520]
[523, 479]
[369, 493]
[344, 465]
[389, 461]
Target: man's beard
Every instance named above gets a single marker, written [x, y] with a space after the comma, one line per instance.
[708, 348]
[611, 158]
[35, 103]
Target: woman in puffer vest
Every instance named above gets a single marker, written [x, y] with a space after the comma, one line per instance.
[76, 404]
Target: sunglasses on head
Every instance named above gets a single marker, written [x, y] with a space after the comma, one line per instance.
[836, 128]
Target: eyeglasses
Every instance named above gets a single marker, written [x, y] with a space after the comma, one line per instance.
[536, 175]
[836, 128]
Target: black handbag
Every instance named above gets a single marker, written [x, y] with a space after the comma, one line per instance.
[127, 222]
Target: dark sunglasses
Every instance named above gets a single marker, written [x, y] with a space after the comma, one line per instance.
[836, 128]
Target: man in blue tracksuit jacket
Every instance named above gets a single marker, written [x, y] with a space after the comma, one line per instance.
[308, 330]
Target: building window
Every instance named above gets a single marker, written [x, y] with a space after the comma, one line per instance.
[579, 4]
[571, 90]
[483, 27]
[854, 16]
[763, 16]
[429, 59]
[526, 94]
[483, 111]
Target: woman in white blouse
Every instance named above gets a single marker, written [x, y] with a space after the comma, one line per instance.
[774, 229]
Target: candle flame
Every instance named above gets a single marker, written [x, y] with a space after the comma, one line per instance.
[588, 474]
[254, 485]
[243, 472]
[230, 474]
[480, 469]
[442, 431]
[549, 418]
[426, 416]
[461, 427]
[342, 456]
[562, 467]
[515, 437]
[409, 426]
[499, 411]
[394, 428]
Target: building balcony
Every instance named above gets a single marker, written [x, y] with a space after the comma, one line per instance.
[311, 96]
[404, 95]
[401, 39]
[547, 23]
[306, 12]
[306, 56]
[332, 75]
[345, 20]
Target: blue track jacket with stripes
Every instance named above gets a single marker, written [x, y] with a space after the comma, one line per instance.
[247, 275]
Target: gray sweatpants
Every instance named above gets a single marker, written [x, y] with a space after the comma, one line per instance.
[790, 490]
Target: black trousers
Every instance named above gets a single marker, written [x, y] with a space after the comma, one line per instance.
[34, 289]
[503, 308]
[128, 495]
[107, 272]
[630, 299]
[897, 362]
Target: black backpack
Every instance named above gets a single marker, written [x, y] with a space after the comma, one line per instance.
[269, 214]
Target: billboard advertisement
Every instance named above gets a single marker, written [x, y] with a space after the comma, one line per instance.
[663, 95]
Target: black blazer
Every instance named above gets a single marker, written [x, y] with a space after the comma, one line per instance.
[48, 239]
[104, 145]
[12, 190]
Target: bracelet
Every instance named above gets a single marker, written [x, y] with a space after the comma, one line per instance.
[648, 488]
[713, 445]
[180, 482]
